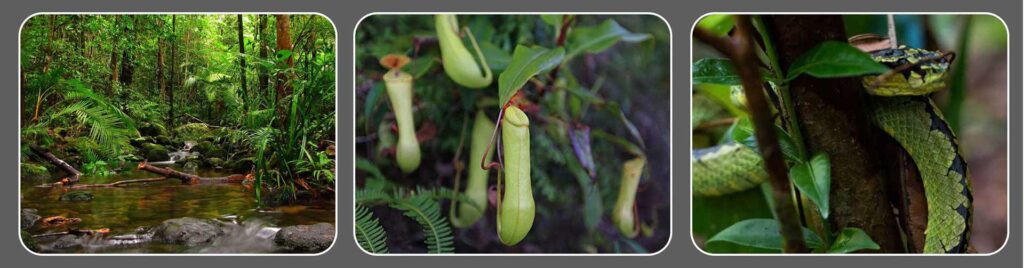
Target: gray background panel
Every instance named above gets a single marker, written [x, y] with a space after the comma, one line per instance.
[345, 14]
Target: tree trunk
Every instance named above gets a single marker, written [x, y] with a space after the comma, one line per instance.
[115, 74]
[48, 48]
[241, 58]
[833, 122]
[284, 42]
[174, 67]
[161, 84]
[127, 68]
[264, 78]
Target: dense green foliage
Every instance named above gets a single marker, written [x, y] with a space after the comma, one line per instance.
[104, 91]
[595, 89]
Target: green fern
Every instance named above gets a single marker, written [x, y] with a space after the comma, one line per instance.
[369, 234]
[373, 197]
[427, 213]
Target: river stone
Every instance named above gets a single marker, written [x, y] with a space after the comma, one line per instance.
[155, 152]
[65, 242]
[29, 217]
[305, 238]
[188, 231]
[76, 196]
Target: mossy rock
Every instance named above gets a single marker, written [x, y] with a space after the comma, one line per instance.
[215, 162]
[76, 196]
[33, 171]
[152, 130]
[209, 149]
[155, 152]
[29, 241]
[162, 140]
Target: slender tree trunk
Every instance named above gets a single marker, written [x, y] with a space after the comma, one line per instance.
[161, 83]
[174, 73]
[115, 74]
[241, 63]
[48, 48]
[264, 78]
[284, 42]
[832, 118]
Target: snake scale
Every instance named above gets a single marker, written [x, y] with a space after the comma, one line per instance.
[899, 105]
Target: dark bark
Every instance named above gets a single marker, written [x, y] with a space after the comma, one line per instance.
[742, 50]
[833, 122]
[174, 67]
[284, 42]
[161, 83]
[127, 68]
[241, 57]
[264, 78]
[73, 174]
[284, 87]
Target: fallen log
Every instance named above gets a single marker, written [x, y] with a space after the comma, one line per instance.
[234, 178]
[74, 173]
[168, 172]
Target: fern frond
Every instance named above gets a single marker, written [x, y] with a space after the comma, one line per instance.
[373, 197]
[427, 213]
[443, 193]
[369, 234]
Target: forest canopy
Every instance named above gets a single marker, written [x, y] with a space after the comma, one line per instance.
[251, 93]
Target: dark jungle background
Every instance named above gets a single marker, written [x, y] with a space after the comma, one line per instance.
[572, 205]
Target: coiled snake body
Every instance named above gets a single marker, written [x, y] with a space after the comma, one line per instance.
[900, 107]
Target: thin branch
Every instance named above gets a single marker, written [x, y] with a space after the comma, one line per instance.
[892, 32]
[742, 50]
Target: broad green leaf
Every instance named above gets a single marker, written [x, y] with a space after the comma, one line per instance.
[758, 233]
[526, 62]
[497, 58]
[852, 239]
[283, 55]
[720, 94]
[834, 59]
[720, 71]
[595, 39]
[369, 167]
[743, 132]
[788, 146]
[814, 179]
[714, 71]
[553, 19]
[420, 66]
[719, 24]
[711, 215]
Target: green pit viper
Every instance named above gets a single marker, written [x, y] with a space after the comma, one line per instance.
[900, 106]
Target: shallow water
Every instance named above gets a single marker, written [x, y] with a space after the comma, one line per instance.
[129, 211]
